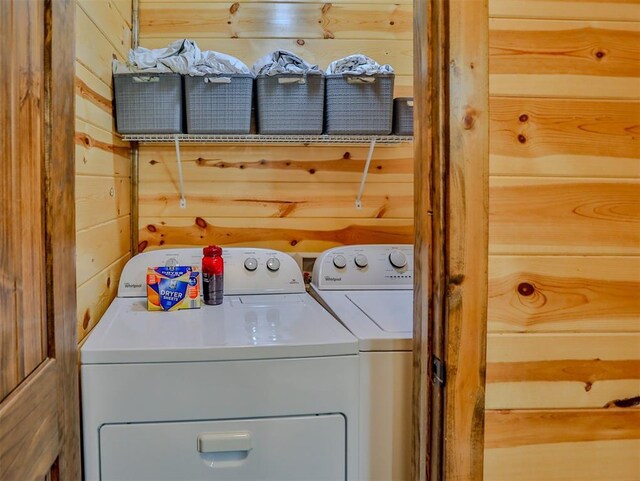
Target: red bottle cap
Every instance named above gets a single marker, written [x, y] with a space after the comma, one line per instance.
[211, 251]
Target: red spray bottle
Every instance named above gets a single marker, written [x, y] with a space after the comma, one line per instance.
[212, 275]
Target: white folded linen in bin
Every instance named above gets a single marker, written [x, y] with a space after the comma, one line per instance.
[183, 57]
[214, 63]
[358, 65]
[283, 62]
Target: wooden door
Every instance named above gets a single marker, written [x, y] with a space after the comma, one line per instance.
[39, 409]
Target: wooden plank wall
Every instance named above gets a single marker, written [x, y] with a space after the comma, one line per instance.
[293, 198]
[564, 268]
[103, 179]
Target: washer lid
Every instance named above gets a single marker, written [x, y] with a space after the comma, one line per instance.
[381, 320]
[392, 311]
[243, 327]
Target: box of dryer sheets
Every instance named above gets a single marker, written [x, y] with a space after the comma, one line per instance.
[172, 288]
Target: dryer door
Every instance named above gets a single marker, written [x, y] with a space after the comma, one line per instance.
[270, 449]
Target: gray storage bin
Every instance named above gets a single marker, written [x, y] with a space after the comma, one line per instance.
[359, 104]
[403, 116]
[218, 104]
[290, 104]
[148, 103]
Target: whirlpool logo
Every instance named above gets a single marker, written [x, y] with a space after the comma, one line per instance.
[128, 285]
[332, 279]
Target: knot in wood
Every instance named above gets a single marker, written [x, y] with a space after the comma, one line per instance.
[525, 289]
[468, 122]
[86, 319]
[200, 222]
[522, 139]
[523, 118]
[234, 8]
[469, 119]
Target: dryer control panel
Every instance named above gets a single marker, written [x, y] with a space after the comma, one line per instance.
[246, 270]
[376, 266]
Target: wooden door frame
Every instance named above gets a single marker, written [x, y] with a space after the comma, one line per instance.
[451, 152]
[61, 232]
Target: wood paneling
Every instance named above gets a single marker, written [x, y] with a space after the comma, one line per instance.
[564, 216]
[562, 137]
[93, 99]
[124, 8]
[277, 20]
[100, 246]
[99, 152]
[268, 164]
[624, 10]
[277, 199]
[551, 371]
[296, 235]
[114, 25]
[95, 295]
[586, 461]
[570, 294]
[568, 86]
[103, 165]
[525, 428]
[97, 54]
[565, 59]
[601, 49]
[565, 195]
[101, 199]
[296, 198]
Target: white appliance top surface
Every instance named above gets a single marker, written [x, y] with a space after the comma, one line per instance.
[381, 320]
[391, 311]
[243, 327]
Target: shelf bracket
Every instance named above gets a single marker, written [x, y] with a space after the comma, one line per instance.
[183, 201]
[372, 146]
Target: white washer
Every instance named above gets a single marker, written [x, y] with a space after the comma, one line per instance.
[369, 288]
[262, 387]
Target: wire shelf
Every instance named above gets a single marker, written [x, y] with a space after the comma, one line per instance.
[268, 139]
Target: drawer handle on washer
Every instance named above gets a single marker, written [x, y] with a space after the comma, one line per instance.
[224, 442]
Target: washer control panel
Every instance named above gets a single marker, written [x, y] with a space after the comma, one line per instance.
[246, 270]
[376, 266]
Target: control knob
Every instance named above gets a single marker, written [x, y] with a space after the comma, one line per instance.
[339, 261]
[250, 264]
[397, 259]
[361, 261]
[273, 264]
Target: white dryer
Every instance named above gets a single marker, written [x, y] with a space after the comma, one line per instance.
[262, 387]
[369, 288]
